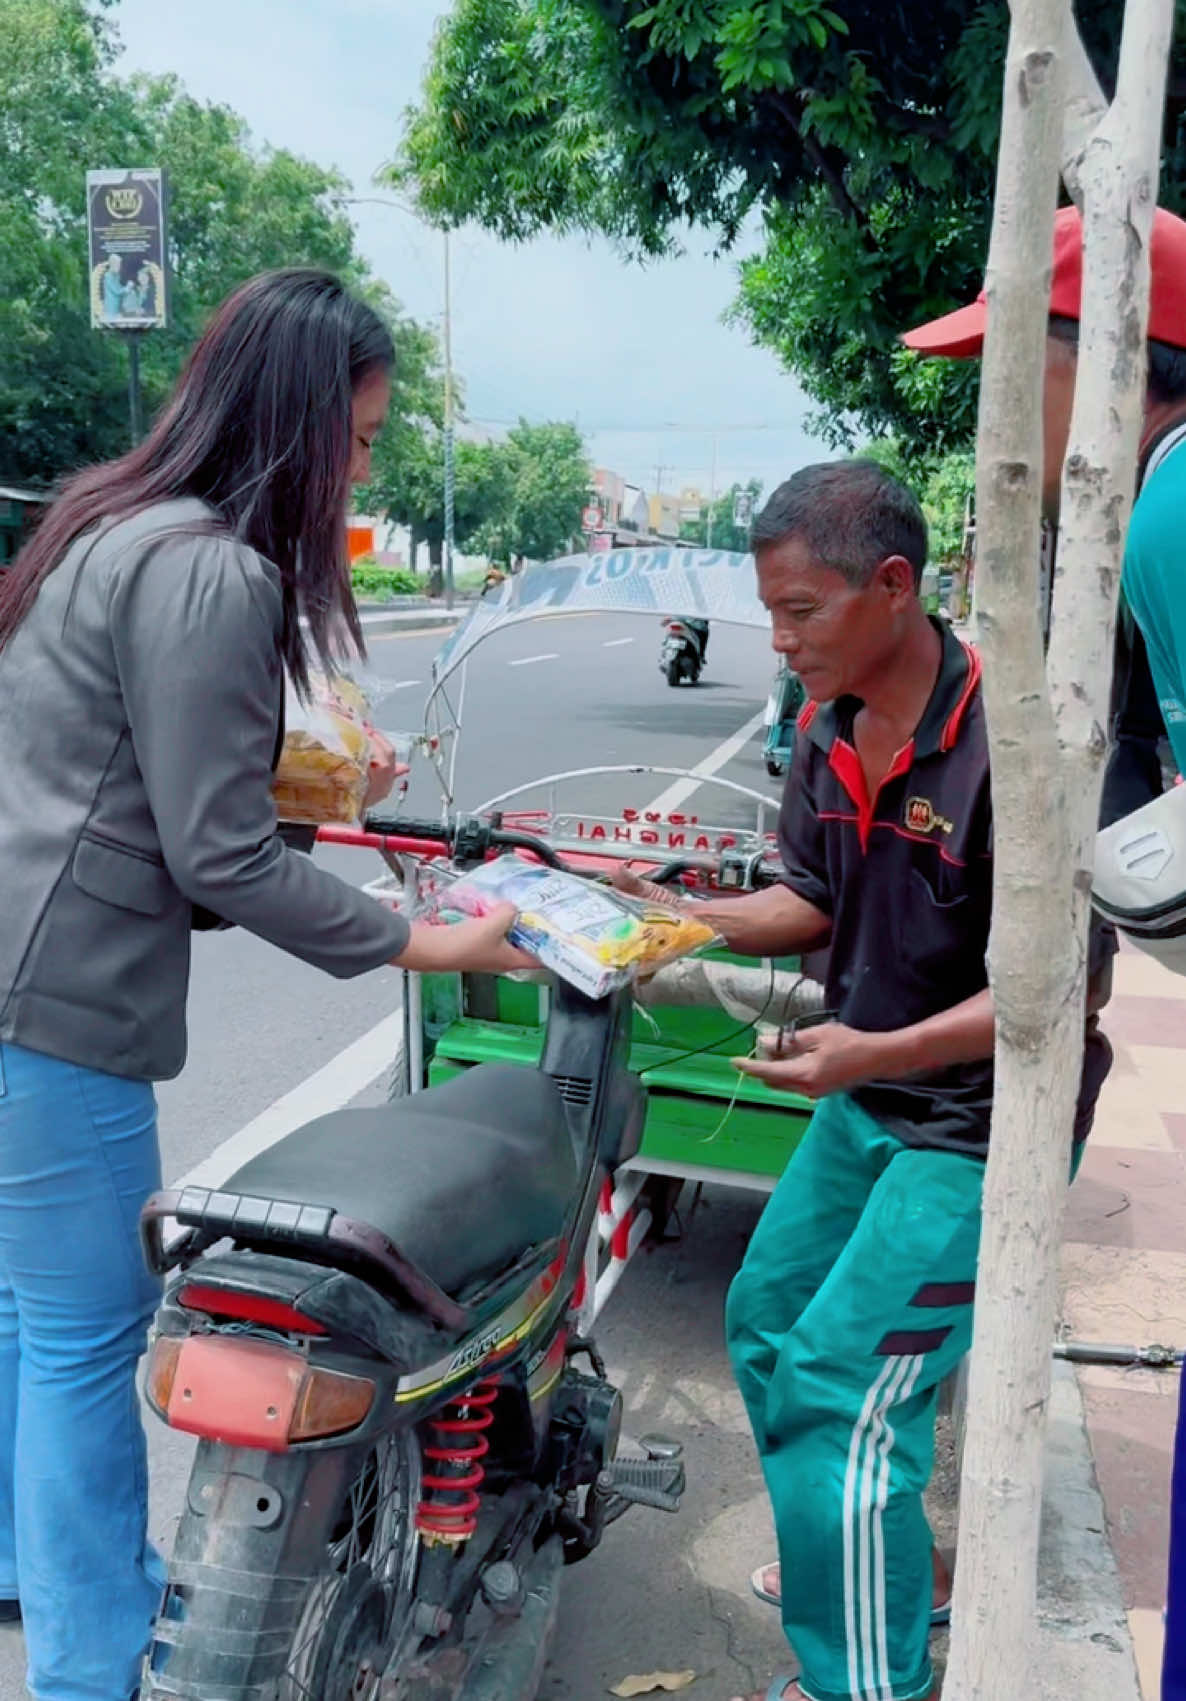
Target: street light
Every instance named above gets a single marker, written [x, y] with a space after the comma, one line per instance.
[447, 339]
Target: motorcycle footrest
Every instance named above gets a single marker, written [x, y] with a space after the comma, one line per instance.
[658, 1483]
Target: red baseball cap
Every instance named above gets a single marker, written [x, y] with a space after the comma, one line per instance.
[960, 335]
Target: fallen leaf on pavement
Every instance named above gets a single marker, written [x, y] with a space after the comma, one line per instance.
[668, 1680]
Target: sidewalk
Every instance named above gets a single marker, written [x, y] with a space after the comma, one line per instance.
[1124, 1281]
[427, 617]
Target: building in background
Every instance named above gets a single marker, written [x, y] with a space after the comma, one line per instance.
[691, 505]
[666, 513]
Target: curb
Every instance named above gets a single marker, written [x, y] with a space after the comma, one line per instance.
[1083, 1647]
[430, 620]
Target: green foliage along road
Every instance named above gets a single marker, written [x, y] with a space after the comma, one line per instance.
[864, 134]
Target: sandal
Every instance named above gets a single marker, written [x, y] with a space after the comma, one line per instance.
[940, 1615]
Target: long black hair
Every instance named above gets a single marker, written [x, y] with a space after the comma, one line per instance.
[259, 427]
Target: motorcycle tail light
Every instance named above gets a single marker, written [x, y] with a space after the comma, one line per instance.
[162, 1369]
[249, 1308]
[252, 1393]
[330, 1403]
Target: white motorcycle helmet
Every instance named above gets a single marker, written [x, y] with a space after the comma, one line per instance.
[1140, 877]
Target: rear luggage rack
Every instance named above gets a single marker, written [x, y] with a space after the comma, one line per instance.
[265, 1224]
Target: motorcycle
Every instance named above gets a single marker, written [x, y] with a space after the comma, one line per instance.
[685, 645]
[783, 707]
[373, 1329]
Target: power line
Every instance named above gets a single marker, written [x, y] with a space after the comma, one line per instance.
[667, 425]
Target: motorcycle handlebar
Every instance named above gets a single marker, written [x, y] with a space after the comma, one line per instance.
[464, 836]
[469, 839]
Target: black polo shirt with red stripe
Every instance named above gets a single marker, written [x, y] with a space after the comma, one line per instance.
[906, 877]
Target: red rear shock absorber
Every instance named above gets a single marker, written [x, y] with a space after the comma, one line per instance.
[449, 1503]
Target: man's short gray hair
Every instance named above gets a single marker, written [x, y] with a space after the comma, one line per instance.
[850, 514]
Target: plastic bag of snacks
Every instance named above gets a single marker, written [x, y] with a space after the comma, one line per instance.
[591, 936]
[324, 767]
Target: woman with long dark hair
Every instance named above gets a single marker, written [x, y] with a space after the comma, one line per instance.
[145, 631]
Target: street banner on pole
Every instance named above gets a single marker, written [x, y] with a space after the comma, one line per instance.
[126, 237]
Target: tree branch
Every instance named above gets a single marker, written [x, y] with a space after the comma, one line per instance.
[829, 170]
[1085, 107]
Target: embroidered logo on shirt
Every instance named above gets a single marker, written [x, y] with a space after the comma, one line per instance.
[920, 816]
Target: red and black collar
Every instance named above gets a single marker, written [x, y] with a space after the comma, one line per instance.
[942, 719]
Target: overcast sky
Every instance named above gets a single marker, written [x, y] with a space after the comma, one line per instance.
[553, 329]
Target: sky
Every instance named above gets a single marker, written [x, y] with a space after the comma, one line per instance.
[552, 329]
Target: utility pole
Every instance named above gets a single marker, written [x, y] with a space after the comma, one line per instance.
[449, 481]
[712, 491]
[135, 408]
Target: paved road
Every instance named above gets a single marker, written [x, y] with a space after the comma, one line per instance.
[563, 693]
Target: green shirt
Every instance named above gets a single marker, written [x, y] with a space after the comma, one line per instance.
[1155, 587]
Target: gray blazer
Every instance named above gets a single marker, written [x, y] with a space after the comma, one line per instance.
[139, 712]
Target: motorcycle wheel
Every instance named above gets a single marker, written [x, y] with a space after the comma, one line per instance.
[774, 767]
[318, 1612]
[675, 671]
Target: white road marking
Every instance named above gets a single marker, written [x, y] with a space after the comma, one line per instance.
[527, 661]
[616, 643]
[400, 685]
[329, 1089]
[679, 793]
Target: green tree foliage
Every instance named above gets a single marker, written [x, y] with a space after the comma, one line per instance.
[544, 480]
[942, 483]
[408, 487]
[235, 209]
[864, 133]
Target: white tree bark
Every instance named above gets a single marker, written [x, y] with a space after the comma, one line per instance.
[1031, 967]
[1085, 107]
[1047, 744]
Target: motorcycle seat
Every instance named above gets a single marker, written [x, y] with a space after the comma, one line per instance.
[463, 1179]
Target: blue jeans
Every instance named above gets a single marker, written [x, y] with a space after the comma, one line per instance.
[78, 1157]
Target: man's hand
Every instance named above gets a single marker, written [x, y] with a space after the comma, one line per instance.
[826, 1058]
[634, 886]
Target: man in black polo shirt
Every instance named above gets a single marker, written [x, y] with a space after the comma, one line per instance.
[855, 1297]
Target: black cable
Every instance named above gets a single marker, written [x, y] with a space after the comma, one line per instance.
[721, 1039]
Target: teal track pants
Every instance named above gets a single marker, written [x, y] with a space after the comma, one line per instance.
[852, 1305]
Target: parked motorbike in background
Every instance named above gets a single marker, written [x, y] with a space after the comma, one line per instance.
[685, 645]
[373, 1329]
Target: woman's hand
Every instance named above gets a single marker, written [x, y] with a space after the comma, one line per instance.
[479, 946]
[826, 1058]
[383, 772]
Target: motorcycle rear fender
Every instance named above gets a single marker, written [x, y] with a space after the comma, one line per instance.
[422, 1357]
[346, 1306]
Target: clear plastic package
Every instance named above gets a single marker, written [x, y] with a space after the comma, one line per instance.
[324, 767]
[595, 938]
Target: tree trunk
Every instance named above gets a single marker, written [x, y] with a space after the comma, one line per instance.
[1030, 962]
[436, 570]
[1047, 749]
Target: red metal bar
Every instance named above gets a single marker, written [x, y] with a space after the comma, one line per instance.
[334, 834]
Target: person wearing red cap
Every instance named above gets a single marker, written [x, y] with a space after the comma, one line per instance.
[1149, 695]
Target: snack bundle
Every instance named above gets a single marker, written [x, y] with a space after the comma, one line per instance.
[324, 766]
[593, 937]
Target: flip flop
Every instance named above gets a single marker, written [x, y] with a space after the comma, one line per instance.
[940, 1615]
[759, 1588]
[778, 1685]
